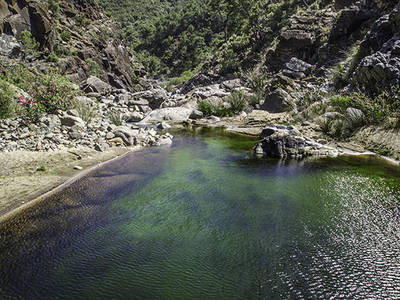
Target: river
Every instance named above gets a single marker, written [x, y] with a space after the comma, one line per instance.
[206, 219]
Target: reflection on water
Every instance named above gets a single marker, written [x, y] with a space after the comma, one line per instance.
[207, 220]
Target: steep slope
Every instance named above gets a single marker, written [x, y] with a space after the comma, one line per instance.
[75, 37]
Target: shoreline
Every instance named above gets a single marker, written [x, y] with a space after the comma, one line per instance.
[69, 180]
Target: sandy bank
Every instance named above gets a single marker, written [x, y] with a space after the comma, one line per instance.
[22, 181]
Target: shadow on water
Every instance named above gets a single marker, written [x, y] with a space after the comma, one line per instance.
[205, 219]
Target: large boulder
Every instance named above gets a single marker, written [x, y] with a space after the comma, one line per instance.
[127, 134]
[176, 114]
[278, 101]
[379, 54]
[154, 97]
[210, 91]
[96, 85]
[286, 142]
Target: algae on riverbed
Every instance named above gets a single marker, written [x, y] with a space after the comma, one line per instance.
[206, 219]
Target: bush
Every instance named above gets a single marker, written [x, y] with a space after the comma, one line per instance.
[52, 57]
[66, 35]
[206, 107]
[7, 95]
[342, 102]
[237, 101]
[30, 43]
[235, 104]
[54, 6]
[94, 67]
[51, 92]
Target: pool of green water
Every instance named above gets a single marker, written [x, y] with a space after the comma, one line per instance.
[206, 219]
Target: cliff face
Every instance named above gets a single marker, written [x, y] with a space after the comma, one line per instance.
[363, 37]
[79, 38]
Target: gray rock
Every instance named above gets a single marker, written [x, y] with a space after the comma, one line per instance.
[214, 119]
[134, 117]
[286, 143]
[279, 101]
[70, 121]
[9, 46]
[296, 68]
[73, 112]
[163, 126]
[196, 114]
[126, 134]
[154, 97]
[101, 146]
[95, 84]
[176, 114]
[355, 116]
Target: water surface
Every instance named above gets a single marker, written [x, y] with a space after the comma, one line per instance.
[205, 219]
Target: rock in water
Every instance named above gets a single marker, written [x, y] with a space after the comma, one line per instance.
[287, 143]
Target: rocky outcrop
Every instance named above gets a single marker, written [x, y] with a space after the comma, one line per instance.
[279, 141]
[84, 39]
[379, 54]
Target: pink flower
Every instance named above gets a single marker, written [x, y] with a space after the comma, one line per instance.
[21, 98]
[53, 103]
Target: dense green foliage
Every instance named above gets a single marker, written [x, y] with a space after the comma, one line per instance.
[6, 99]
[175, 36]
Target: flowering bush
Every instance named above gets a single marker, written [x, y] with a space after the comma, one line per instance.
[30, 108]
[49, 94]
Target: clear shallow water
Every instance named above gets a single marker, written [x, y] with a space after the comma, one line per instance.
[206, 220]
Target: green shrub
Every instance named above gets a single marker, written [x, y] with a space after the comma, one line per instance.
[94, 67]
[42, 168]
[235, 104]
[7, 95]
[50, 92]
[342, 102]
[54, 6]
[237, 101]
[52, 57]
[66, 35]
[339, 76]
[184, 77]
[206, 108]
[30, 43]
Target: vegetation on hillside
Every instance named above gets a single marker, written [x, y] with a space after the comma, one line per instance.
[172, 37]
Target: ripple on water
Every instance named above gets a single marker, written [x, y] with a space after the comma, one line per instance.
[202, 221]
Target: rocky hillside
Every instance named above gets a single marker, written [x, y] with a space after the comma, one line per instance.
[75, 37]
[329, 66]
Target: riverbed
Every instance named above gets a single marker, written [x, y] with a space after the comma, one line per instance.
[206, 219]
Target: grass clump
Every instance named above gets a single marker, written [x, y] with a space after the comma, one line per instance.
[234, 105]
[42, 168]
[116, 118]
[86, 111]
